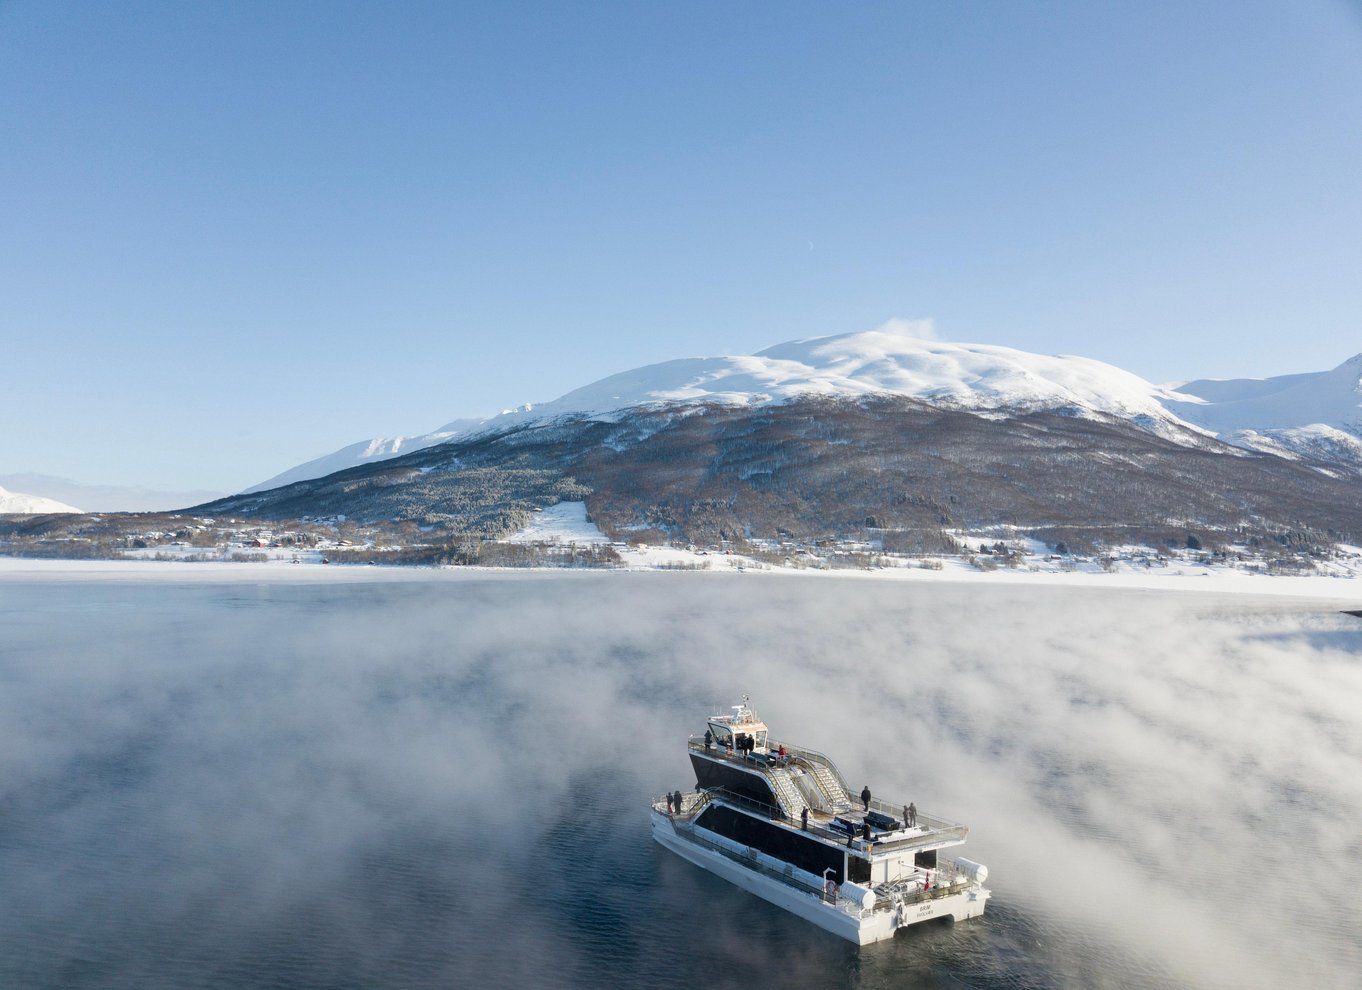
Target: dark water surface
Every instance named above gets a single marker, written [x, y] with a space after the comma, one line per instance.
[444, 783]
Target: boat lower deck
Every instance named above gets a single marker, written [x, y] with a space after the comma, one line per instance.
[916, 897]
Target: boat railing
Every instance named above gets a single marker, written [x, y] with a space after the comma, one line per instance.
[691, 802]
[759, 760]
[812, 756]
[938, 828]
[912, 891]
[742, 800]
[716, 751]
[935, 829]
[750, 860]
[929, 823]
[822, 830]
[946, 880]
[792, 753]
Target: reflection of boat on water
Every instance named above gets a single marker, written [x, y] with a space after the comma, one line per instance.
[779, 821]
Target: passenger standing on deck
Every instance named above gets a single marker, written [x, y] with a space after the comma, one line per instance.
[678, 802]
[669, 802]
[865, 796]
[709, 739]
[912, 815]
[804, 819]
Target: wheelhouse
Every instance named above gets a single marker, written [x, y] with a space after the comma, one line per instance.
[740, 732]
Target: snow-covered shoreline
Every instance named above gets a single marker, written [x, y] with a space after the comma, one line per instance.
[1224, 582]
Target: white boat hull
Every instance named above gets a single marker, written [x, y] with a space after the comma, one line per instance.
[861, 927]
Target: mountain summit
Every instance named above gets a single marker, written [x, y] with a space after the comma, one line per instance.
[874, 362]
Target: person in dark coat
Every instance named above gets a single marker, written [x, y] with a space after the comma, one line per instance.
[679, 803]
[912, 815]
[669, 802]
[709, 739]
[804, 819]
[865, 796]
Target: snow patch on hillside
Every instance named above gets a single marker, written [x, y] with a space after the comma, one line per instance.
[562, 524]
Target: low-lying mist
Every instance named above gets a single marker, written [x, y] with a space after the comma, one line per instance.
[418, 783]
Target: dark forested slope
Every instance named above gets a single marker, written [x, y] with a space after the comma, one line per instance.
[837, 469]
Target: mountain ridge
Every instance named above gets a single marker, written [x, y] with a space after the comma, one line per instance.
[1313, 415]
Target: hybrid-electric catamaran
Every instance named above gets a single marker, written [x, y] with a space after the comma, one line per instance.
[779, 821]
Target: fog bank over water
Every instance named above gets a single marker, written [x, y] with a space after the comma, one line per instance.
[411, 783]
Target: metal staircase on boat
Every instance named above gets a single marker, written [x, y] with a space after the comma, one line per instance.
[838, 799]
[792, 802]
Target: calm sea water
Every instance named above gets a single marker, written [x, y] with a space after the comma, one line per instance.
[444, 782]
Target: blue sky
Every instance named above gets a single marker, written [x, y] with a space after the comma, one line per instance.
[234, 237]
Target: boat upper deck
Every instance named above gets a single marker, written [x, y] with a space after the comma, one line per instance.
[807, 780]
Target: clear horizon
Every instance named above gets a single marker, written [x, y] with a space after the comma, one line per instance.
[238, 238]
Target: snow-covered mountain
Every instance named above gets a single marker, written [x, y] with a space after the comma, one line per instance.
[1316, 415]
[14, 502]
[1292, 415]
[103, 498]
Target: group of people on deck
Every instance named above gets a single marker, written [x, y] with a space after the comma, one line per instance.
[909, 809]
